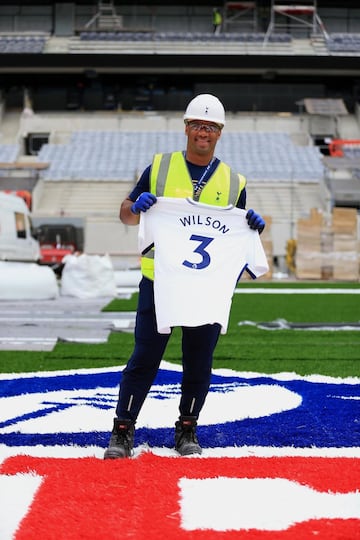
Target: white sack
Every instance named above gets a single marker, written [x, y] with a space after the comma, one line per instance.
[88, 276]
[27, 281]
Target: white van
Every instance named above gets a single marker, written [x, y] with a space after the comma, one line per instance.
[16, 240]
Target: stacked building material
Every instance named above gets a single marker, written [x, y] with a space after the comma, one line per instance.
[328, 248]
[345, 244]
[308, 250]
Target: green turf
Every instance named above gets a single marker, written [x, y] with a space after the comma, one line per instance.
[260, 284]
[260, 307]
[244, 347]
[307, 308]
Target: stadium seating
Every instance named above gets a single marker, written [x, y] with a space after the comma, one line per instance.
[271, 156]
[98, 200]
[22, 43]
[286, 179]
[248, 42]
[8, 154]
[353, 152]
[122, 155]
[343, 42]
[183, 36]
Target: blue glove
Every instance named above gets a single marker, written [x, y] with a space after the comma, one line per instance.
[255, 221]
[143, 202]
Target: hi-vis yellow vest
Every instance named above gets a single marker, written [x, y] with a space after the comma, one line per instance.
[169, 177]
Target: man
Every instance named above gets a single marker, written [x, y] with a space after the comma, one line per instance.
[179, 175]
[217, 21]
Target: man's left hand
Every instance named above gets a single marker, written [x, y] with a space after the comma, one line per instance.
[255, 221]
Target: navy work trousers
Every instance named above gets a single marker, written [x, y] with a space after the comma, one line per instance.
[198, 344]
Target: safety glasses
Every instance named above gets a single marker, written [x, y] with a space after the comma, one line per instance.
[198, 126]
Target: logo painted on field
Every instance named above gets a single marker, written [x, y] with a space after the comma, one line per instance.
[77, 408]
[252, 498]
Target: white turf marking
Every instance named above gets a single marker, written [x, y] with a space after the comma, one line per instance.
[283, 376]
[259, 290]
[16, 495]
[261, 503]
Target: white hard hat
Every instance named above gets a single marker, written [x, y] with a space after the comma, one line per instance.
[205, 107]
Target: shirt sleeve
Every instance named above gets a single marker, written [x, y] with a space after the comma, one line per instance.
[242, 200]
[142, 185]
[257, 261]
[145, 232]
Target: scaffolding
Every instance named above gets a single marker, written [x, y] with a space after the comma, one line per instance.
[106, 17]
[239, 15]
[292, 16]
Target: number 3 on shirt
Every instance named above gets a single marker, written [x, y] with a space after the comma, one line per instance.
[201, 250]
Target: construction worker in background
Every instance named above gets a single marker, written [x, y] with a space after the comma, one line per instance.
[179, 174]
[217, 20]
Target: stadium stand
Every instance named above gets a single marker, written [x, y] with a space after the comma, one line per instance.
[252, 37]
[121, 155]
[343, 42]
[91, 172]
[22, 43]
[92, 199]
[235, 42]
[8, 153]
[93, 163]
[271, 157]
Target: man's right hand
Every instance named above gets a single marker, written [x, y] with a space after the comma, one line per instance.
[143, 202]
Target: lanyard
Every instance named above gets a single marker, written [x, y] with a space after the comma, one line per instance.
[203, 179]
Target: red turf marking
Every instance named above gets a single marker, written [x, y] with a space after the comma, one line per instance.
[139, 498]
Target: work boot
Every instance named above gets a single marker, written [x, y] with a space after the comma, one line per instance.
[121, 441]
[186, 442]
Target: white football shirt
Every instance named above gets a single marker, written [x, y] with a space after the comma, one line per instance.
[200, 253]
